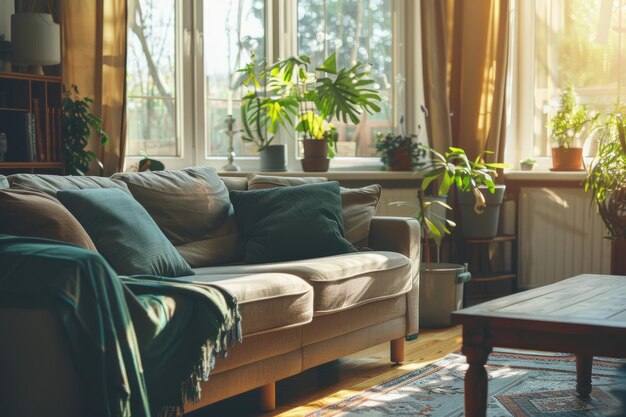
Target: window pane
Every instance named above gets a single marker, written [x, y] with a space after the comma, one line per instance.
[232, 31]
[151, 78]
[571, 48]
[357, 30]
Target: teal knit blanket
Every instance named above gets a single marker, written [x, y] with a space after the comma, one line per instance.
[130, 351]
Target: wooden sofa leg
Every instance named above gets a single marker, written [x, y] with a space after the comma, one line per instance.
[267, 397]
[397, 350]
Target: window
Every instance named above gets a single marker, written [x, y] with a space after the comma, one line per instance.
[151, 79]
[356, 31]
[573, 42]
[183, 59]
[233, 31]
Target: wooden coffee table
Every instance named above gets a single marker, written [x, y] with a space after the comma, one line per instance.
[584, 315]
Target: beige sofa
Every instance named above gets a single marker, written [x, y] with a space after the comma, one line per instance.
[295, 315]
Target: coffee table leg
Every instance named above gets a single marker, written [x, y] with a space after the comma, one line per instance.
[476, 381]
[583, 374]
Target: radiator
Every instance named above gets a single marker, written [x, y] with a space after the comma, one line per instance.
[560, 236]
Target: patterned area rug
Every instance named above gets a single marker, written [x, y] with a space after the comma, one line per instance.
[520, 384]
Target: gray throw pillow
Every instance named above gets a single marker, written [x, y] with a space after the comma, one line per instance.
[192, 208]
[124, 233]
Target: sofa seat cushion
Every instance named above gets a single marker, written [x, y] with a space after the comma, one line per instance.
[267, 301]
[340, 282]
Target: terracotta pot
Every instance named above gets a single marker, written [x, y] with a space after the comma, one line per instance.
[315, 155]
[567, 159]
[315, 148]
[401, 160]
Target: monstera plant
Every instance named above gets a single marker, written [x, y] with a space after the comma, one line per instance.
[324, 93]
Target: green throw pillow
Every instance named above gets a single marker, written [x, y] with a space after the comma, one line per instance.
[283, 224]
[124, 233]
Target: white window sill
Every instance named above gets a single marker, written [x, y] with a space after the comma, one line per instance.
[336, 175]
[514, 175]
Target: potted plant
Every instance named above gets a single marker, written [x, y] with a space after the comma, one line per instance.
[264, 109]
[399, 152]
[479, 197]
[606, 178]
[78, 125]
[566, 127]
[528, 164]
[323, 93]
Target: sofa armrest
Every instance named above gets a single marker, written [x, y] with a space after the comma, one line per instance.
[401, 235]
[396, 234]
[38, 375]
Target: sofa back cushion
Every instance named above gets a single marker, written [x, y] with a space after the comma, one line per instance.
[51, 184]
[124, 233]
[3, 182]
[36, 214]
[192, 208]
[260, 182]
[358, 204]
[235, 183]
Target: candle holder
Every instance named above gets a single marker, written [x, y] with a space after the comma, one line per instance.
[230, 166]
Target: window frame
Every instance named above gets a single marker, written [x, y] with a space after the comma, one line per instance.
[281, 40]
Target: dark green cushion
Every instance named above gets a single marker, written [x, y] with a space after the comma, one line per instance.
[124, 233]
[283, 224]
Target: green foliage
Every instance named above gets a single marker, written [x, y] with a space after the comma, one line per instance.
[268, 105]
[386, 146]
[529, 161]
[77, 127]
[149, 164]
[451, 168]
[323, 93]
[606, 178]
[455, 168]
[569, 120]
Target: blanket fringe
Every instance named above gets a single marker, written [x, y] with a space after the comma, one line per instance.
[191, 390]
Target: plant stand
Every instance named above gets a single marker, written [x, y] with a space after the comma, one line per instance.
[493, 265]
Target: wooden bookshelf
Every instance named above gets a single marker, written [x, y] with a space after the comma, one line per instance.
[30, 116]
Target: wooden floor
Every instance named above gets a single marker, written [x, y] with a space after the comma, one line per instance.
[329, 383]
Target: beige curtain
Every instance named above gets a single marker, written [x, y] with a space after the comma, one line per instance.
[466, 46]
[94, 59]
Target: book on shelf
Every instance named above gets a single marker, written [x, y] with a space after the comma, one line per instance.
[30, 142]
[40, 139]
[54, 134]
